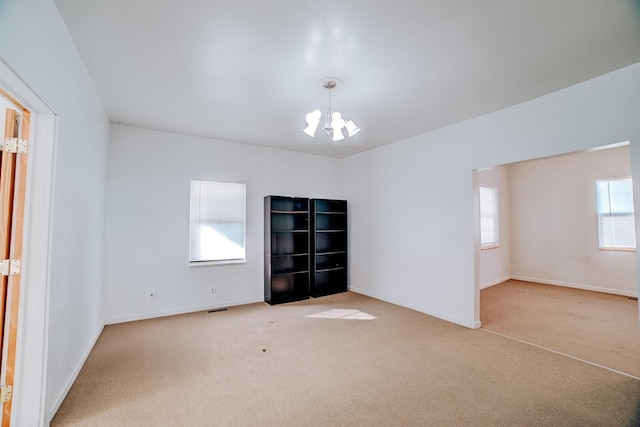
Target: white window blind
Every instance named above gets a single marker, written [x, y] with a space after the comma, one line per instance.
[217, 226]
[615, 213]
[488, 217]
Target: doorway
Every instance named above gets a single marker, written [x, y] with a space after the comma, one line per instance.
[549, 251]
[31, 296]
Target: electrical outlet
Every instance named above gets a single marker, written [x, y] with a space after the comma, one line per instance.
[153, 294]
[213, 290]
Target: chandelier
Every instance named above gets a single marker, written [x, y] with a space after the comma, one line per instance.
[335, 123]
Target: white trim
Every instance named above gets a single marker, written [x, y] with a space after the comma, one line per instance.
[608, 146]
[494, 282]
[576, 286]
[56, 404]
[155, 314]
[472, 325]
[220, 262]
[616, 249]
[31, 366]
[489, 246]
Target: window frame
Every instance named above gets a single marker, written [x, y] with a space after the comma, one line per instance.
[495, 243]
[219, 261]
[601, 215]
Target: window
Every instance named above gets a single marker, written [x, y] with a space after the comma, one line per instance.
[615, 213]
[217, 226]
[488, 217]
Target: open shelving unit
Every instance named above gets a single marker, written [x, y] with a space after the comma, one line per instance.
[286, 265]
[328, 246]
[305, 250]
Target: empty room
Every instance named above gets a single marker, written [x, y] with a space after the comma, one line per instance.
[267, 213]
[559, 270]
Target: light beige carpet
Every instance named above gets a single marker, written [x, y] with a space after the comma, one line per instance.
[260, 365]
[601, 328]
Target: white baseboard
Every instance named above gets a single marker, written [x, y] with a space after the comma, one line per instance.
[174, 312]
[472, 325]
[495, 282]
[576, 286]
[56, 404]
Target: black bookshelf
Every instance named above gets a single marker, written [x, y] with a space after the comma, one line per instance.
[286, 252]
[328, 247]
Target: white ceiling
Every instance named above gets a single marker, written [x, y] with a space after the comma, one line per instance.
[248, 70]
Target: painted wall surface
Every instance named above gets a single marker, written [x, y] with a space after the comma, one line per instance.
[555, 222]
[147, 234]
[36, 44]
[495, 263]
[412, 218]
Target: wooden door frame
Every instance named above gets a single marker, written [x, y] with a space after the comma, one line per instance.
[12, 126]
[29, 397]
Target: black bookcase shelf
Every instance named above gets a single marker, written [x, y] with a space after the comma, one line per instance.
[286, 252]
[328, 246]
[305, 248]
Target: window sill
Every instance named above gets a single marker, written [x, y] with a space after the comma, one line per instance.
[212, 263]
[617, 249]
[484, 248]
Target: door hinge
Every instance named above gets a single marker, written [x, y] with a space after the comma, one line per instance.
[15, 145]
[5, 393]
[9, 267]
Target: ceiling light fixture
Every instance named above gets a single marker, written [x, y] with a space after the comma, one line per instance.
[334, 122]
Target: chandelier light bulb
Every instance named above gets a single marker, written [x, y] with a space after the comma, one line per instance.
[313, 119]
[337, 135]
[352, 129]
[337, 122]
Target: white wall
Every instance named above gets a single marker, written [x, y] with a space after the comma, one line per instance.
[495, 263]
[35, 43]
[412, 218]
[555, 223]
[147, 234]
